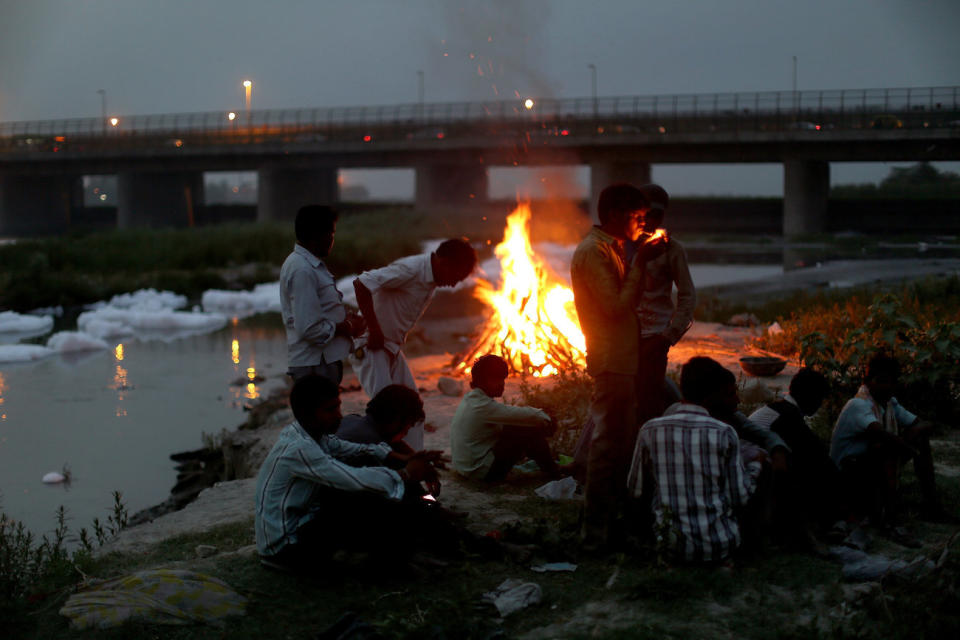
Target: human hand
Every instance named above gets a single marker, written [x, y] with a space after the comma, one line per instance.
[433, 488]
[647, 251]
[419, 469]
[356, 323]
[433, 456]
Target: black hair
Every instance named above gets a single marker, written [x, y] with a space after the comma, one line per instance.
[313, 221]
[808, 383]
[882, 364]
[619, 197]
[460, 253]
[396, 402]
[308, 393]
[656, 195]
[488, 365]
[701, 376]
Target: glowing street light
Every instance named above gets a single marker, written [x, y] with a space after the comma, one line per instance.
[247, 89]
[528, 103]
[231, 116]
[114, 121]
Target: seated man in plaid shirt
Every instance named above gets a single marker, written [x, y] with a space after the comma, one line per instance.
[689, 466]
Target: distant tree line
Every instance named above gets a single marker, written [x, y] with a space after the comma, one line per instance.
[921, 180]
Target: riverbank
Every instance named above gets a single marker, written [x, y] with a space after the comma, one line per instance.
[803, 595]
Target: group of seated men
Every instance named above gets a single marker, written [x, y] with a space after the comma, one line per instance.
[703, 474]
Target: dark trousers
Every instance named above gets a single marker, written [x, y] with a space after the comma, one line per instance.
[514, 444]
[359, 521]
[330, 371]
[650, 378]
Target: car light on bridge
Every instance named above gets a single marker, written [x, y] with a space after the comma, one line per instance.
[564, 132]
[367, 138]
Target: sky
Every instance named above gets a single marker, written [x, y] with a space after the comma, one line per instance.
[182, 56]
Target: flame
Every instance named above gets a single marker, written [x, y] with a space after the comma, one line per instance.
[534, 324]
[656, 235]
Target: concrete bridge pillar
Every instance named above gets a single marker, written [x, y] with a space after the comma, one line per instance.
[158, 199]
[444, 186]
[282, 191]
[33, 205]
[806, 187]
[602, 175]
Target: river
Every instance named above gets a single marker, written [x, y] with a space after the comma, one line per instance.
[115, 416]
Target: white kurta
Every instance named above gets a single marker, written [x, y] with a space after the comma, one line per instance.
[401, 292]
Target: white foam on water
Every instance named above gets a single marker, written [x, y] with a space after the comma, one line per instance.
[13, 322]
[23, 353]
[71, 341]
[262, 298]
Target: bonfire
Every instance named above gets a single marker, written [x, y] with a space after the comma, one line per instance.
[533, 324]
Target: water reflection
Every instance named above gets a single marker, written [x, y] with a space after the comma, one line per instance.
[119, 382]
[248, 389]
[3, 387]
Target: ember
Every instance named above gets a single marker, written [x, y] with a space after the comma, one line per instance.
[533, 325]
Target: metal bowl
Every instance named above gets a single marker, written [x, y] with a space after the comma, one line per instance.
[762, 365]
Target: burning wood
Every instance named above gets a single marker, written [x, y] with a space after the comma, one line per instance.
[533, 324]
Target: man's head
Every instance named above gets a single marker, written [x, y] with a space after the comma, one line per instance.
[452, 262]
[706, 382]
[315, 227]
[809, 388]
[394, 410]
[619, 208]
[658, 200]
[489, 374]
[315, 402]
[883, 373]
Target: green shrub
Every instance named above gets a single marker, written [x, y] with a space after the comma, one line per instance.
[566, 399]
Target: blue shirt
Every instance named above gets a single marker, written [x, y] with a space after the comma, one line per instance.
[850, 434]
[294, 471]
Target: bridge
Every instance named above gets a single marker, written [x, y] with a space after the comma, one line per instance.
[160, 159]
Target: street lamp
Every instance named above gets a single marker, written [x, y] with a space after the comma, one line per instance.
[593, 86]
[103, 109]
[114, 121]
[247, 89]
[420, 92]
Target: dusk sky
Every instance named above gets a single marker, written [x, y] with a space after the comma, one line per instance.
[178, 56]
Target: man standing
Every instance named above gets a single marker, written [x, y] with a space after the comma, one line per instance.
[605, 294]
[690, 466]
[319, 328]
[662, 323]
[392, 299]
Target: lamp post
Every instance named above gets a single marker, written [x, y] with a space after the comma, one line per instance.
[247, 90]
[795, 105]
[420, 92]
[103, 110]
[593, 86]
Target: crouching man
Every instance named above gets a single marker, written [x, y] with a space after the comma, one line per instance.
[317, 493]
[488, 437]
[688, 467]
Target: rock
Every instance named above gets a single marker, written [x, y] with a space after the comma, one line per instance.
[743, 320]
[450, 386]
[206, 550]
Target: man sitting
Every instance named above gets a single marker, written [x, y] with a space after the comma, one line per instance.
[688, 465]
[389, 416]
[314, 495]
[873, 437]
[488, 437]
[809, 490]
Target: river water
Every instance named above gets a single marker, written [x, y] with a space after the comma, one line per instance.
[114, 417]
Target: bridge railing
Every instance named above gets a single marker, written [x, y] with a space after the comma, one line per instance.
[767, 111]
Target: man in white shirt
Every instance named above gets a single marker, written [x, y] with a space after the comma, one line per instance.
[319, 327]
[392, 299]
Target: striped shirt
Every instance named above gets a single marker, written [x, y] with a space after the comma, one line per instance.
[297, 468]
[693, 462]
